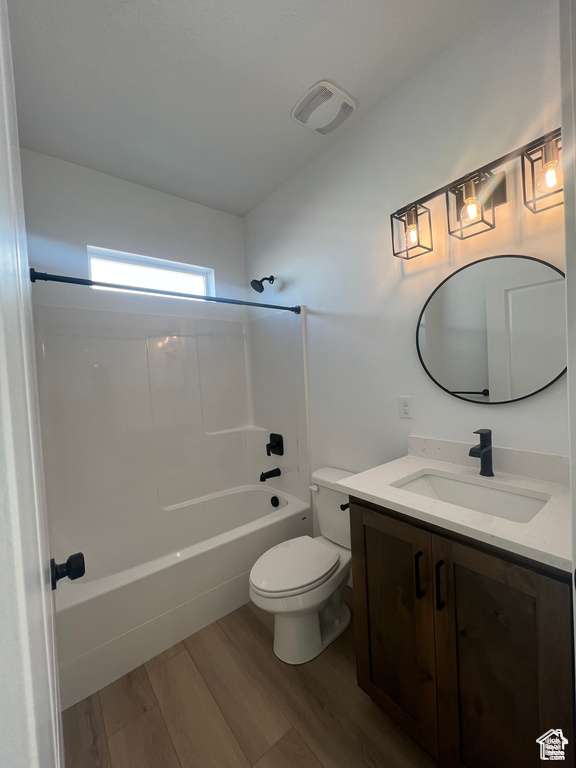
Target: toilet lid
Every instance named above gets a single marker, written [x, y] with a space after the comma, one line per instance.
[293, 564]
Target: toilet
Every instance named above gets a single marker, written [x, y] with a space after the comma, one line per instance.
[301, 580]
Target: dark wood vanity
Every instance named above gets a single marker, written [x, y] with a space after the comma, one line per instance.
[467, 647]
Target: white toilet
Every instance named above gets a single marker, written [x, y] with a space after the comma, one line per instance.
[301, 580]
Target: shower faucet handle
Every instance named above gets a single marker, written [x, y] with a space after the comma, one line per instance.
[276, 445]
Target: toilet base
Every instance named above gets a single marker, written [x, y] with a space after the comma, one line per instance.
[299, 638]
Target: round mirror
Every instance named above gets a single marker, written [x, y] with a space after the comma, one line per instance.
[495, 330]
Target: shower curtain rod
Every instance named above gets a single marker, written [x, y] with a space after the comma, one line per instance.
[34, 276]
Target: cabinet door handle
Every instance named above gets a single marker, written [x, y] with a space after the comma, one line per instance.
[440, 604]
[419, 591]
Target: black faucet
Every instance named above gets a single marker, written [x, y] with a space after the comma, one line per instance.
[483, 451]
[272, 473]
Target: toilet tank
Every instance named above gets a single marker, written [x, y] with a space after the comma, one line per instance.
[327, 498]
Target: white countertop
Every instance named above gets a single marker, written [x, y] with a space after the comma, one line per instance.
[546, 538]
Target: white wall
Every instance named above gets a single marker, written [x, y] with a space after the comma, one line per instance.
[69, 207]
[326, 234]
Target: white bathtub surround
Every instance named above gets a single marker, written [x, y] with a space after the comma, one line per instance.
[545, 538]
[108, 626]
[142, 415]
[154, 432]
[539, 466]
[278, 384]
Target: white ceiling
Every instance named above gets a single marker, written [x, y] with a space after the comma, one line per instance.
[193, 97]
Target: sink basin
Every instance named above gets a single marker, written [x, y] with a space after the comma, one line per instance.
[508, 502]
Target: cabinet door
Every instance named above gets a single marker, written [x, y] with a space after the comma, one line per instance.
[504, 659]
[394, 620]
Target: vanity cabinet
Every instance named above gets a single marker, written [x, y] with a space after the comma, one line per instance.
[393, 615]
[468, 651]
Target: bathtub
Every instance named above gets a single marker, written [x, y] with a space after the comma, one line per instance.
[198, 563]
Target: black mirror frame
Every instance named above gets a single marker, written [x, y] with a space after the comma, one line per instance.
[466, 266]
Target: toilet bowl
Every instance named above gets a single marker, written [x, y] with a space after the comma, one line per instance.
[301, 580]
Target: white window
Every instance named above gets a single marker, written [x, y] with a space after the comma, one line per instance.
[137, 271]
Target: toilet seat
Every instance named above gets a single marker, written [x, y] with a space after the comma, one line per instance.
[293, 567]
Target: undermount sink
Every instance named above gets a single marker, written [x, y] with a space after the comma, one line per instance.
[508, 502]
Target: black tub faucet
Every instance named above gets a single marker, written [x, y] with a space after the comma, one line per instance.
[272, 473]
[483, 451]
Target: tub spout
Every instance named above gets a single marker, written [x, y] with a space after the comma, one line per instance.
[272, 473]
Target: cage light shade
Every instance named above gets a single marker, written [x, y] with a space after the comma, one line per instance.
[470, 206]
[411, 232]
[542, 182]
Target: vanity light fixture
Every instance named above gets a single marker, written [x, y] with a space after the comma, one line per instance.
[542, 180]
[471, 200]
[470, 206]
[411, 232]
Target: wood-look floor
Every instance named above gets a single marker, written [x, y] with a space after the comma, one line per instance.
[221, 699]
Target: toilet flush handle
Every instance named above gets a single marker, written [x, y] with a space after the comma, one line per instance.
[314, 488]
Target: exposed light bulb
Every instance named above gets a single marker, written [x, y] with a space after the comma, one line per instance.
[550, 177]
[411, 229]
[471, 209]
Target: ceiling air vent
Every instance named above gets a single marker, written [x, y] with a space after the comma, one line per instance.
[323, 107]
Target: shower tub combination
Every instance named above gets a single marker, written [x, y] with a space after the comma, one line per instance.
[192, 572]
[155, 421]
